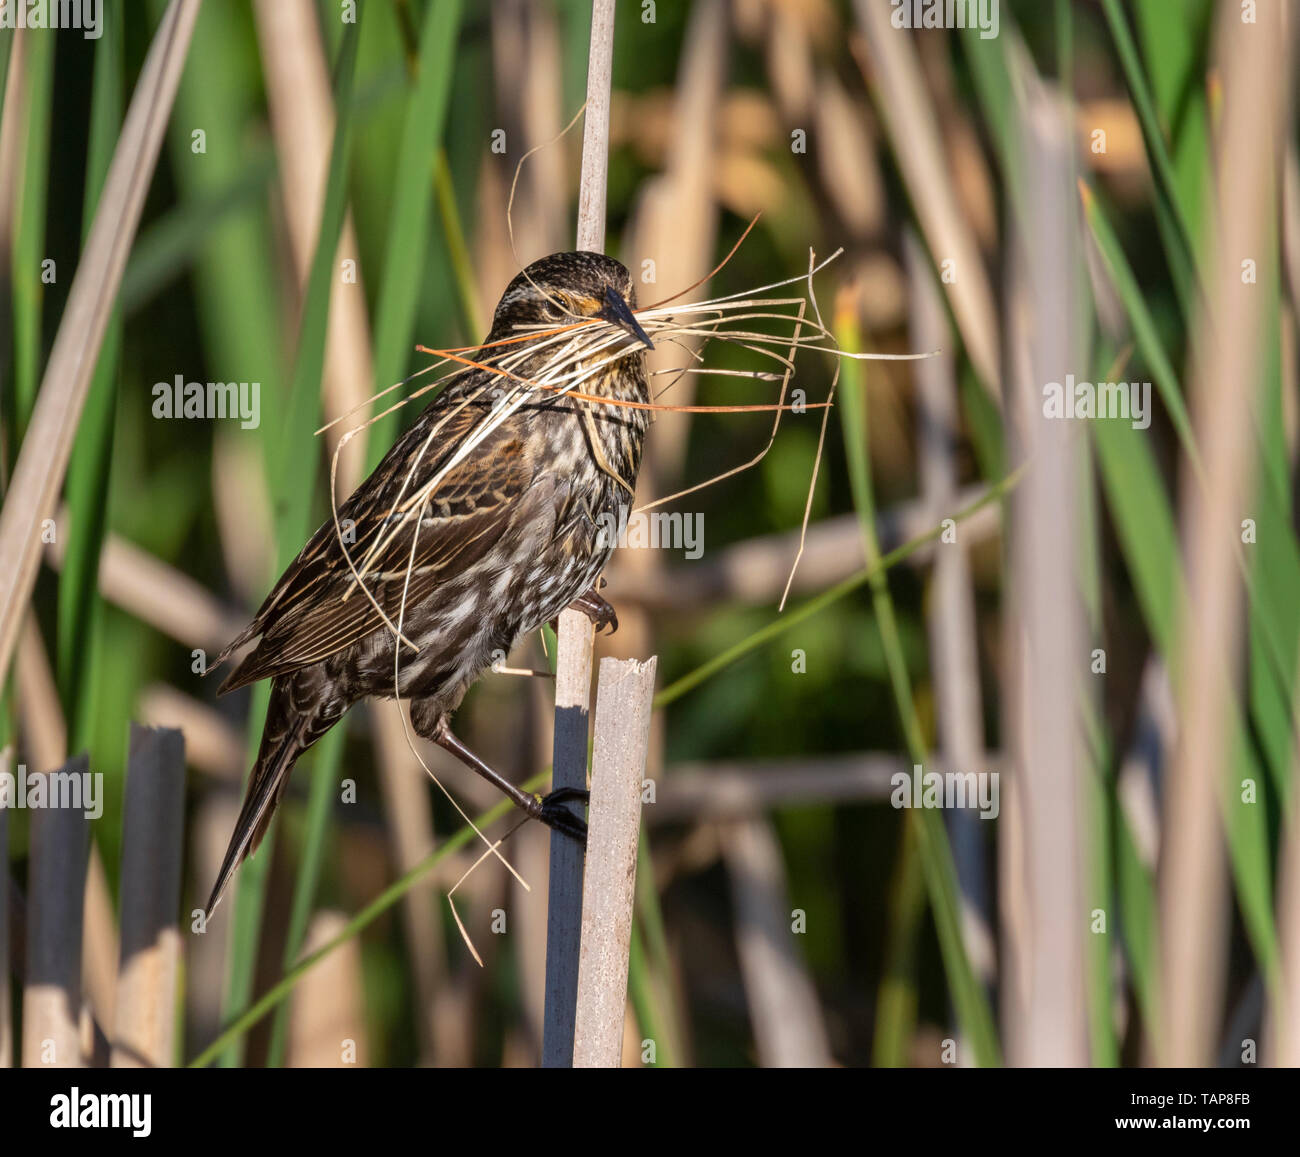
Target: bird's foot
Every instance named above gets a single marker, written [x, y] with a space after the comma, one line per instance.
[598, 609]
[549, 809]
[552, 812]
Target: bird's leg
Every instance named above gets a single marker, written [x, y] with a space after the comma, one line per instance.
[599, 610]
[549, 809]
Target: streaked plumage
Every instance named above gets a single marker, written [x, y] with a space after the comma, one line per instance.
[509, 538]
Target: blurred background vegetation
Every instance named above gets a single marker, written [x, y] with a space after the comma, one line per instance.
[398, 137]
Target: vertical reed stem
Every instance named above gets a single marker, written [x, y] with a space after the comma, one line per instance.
[623, 709]
[595, 128]
[154, 817]
[564, 904]
[60, 844]
[573, 671]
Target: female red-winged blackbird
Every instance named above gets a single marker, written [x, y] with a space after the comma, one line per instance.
[514, 532]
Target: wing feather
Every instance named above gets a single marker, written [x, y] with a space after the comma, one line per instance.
[316, 610]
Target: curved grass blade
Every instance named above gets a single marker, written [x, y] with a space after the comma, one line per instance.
[408, 229]
[79, 605]
[238, 314]
[1145, 527]
[29, 235]
[1174, 41]
[1272, 570]
[1145, 333]
[929, 839]
[1171, 214]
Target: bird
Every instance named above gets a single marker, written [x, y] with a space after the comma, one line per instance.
[514, 531]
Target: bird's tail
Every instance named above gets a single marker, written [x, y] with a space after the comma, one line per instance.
[287, 734]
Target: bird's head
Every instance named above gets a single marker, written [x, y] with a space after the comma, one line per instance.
[567, 287]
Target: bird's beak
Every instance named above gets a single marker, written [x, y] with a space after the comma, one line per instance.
[616, 310]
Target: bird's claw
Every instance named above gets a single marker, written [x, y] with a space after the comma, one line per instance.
[552, 812]
[599, 610]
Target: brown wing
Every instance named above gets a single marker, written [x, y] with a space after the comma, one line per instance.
[317, 608]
